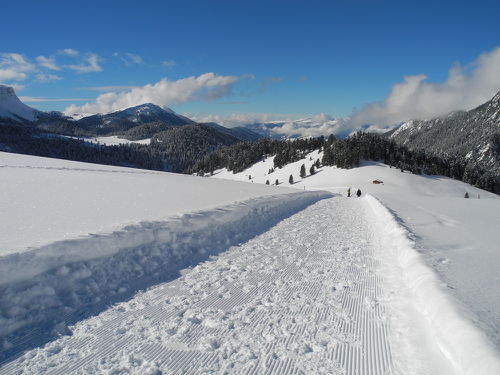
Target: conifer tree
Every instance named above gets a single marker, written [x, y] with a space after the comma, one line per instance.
[302, 171]
[466, 195]
[311, 170]
[290, 180]
[267, 182]
[276, 182]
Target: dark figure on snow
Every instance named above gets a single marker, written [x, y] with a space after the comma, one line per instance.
[348, 192]
[358, 193]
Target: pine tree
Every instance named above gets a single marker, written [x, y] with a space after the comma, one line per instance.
[311, 170]
[466, 195]
[317, 164]
[276, 182]
[290, 180]
[267, 182]
[303, 171]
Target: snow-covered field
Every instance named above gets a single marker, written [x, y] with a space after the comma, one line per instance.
[154, 273]
[113, 140]
[49, 200]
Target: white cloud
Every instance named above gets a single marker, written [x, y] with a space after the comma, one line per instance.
[48, 62]
[42, 77]
[31, 99]
[415, 98]
[110, 88]
[206, 86]
[129, 58]
[465, 88]
[89, 64]
[239, 119]
[286, 125]
[13, 66]
[11, 74]
[68, 52]
[310, 128]
[168, 63]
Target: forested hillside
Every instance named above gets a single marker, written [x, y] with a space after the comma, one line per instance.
[472, 136]
[348, 153]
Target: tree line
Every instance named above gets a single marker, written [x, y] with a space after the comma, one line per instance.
[347, 153]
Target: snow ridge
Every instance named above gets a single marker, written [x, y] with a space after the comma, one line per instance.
[69, 278]
[461, 342]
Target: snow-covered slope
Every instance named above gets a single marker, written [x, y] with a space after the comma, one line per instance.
[56, 199]
[472, 135]
[457, 237]
[244, 278]
[75, 235]
[12, 108]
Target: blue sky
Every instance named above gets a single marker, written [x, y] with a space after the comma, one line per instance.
[284, 57]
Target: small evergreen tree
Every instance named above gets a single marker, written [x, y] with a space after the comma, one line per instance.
[267, 182]
[276, 182]
[249, 176]
[311, 170]
[290, 180]
[317, 164]
[466, 195]
[302, 171]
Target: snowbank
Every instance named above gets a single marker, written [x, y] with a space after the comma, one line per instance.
[44, 200]
[461, 342]
[48, 285]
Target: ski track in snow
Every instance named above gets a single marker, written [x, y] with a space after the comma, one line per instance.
[305, 297]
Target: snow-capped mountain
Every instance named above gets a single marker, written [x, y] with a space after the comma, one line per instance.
[174, 142]
[134, 116]
[473, 135]
[12, 108]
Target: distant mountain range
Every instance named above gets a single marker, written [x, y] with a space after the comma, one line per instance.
[177, 141]
[473, 136]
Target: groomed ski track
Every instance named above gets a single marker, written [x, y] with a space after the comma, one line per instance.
[309, 296]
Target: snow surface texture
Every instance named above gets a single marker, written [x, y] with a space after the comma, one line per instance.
[336, 288]
[47, 287]
[458, 237]
[316, 294]
[454, 334]
[53, 282]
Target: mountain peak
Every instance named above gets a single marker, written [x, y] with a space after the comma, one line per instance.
[12, 108]
[140, 114]
[6, 91]
[147, 107]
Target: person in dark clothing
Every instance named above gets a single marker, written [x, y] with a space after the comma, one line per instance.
[348, 192]
[358, 193]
